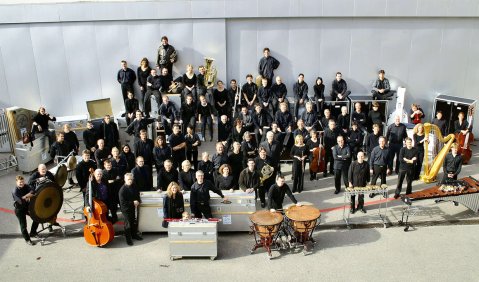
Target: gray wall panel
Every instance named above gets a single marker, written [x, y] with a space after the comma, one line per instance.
[433, 7]
[244, 8]
[310, 8]
[463, 8]
[370, 8]
[404, 8]
[4, 97]
[339, 8]
[208, 9]
[180, 35]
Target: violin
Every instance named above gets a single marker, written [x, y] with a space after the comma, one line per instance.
[464, 142]
[98, 231]
[318, 163]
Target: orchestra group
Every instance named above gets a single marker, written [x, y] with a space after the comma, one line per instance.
[256, 129]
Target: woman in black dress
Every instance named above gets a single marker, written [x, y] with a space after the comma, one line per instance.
[192, 143]
[142, 73]
[222, 104]
[205, 117]
[419, 144]
[235, 159]
[161, 152]
[128, 156]
[319, 95]
[248, 147]
[238, 132]
[189, 83]
[299, 153]
[187, 176]
[173, 205]
[224, 180]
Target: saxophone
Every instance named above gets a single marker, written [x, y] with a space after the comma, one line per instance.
[210, 73]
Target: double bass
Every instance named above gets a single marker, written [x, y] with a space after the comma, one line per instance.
[318, 163]
[98, 231]
[464, 143]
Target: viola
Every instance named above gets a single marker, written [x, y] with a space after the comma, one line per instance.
[318, 163]
[98, 231]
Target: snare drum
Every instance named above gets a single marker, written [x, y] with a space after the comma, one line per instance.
[265, 223]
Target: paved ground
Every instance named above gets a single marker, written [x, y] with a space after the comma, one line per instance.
[441, 247]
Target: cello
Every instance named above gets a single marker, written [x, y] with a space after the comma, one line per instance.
[98, 231]
[464, 142]
[318, 163]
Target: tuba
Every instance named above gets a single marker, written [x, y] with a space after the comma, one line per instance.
[266, 172]
[210, 73]
[431, 169]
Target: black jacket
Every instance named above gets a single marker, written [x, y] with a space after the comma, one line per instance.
[145, 149]
[248, 179]
[137, 125]
[300, 90]
[82, 172]
[127, 195]
[90, 137]
[186, 179]
[342, 157]
[276, 196]
[127, 76]
[358, 174]
[166, 177]
[142, 178]
[201, 193]
[109, 133]
[60, 149]
[266, 67]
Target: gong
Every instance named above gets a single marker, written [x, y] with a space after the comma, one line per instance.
[46, 203]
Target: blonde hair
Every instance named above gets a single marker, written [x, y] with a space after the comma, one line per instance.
[185, 163]
[296, 139]
[170, 187]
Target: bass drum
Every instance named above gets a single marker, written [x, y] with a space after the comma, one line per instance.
[60, 172]
[46, 203]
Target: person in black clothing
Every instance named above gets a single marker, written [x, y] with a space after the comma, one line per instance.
[355, 140]
[82, 171]
[60, 148]
[205, 117]
[144, 147]
[71, 138]
[267, 175]
[249, 180]
[372, 140]
[301, 130]
[408, 157]
[329, 141]
[206, 166]
[101, 191]
[419, 140]
[246, 118]
[200, 196]
[284, 119]
[224, 180]
[112, 178]
[359, 117]
[189, 81]
[236, 159]
[237, 133]
[276, 194]
[378, 162]
[461, 125]
[440, 122]
[142, 72]
[452, 165]
[173, 204]
[265, 95]
[168, 114]
[40, 121]
[41, 174]
[126, 77]
[262, 122]
[142, 175]
[396, 134]
[381, 89]
[310, 117]
[234, 94]
[22, 193]
[299, 153]
[138, 124]
[153, 86]
[375, 117]
[273, 150]
[339, 91]
[109, 132]
[324, 121]
[224, 130]
[188, 114]
[167, 55]
[219, 158]
[279, 93]
[358, 176]
[201, 87]
[166, 81]
[343, 121]
[221, 98]
[131, 106]
[187, 176]
[90, 137]
[267, 65]
[248, 148]
[342, 160]
[101, 154]
[249, 92]
[319, 94]
[129, 201]
[118, 162]
[178, 146]
[300, 92]
[313, 143]
[192, 143]
[128, 155]
[165, 176]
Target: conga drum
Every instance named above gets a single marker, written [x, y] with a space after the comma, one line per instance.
[265, 228]
[303, 220]
[46, 203]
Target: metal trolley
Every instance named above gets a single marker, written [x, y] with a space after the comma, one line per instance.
[382, 191]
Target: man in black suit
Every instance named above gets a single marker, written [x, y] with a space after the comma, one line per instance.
[273, 150]
[142, 175]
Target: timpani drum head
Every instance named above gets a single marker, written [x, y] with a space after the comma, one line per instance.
[46, 203]
[265, 217]
[302, 213]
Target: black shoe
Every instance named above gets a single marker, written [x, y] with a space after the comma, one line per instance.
[372, 195]
[311, 178]
[129, 242]
[30, 242]
[34, 235]
[396, 196]
[137, 237]
[263, 205]
[363, 210]
[325, 174]
[336, 192]
[211, 139]
[352, 210]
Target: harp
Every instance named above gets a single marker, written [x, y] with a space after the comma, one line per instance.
[431, 169]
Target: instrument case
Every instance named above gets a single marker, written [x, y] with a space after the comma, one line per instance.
[193, 239]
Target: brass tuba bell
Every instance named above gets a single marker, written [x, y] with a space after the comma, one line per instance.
[210, 73]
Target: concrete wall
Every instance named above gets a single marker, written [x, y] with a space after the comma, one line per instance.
[60, 55]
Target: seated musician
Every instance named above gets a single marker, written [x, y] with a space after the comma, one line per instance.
[189, 81]
[166, 81]
[375, 117]
[277, 134]
[440, 122]
[312, 143]
[101, 192]
[358, 176]
[452, 165]
[142, 175]
[262, 121]
[192, 141]
[283, 118]
[40, 175]
[310, 117]
[60, 148]
[40, 121]
[319, 94]
[372, 140]
[206, 165]
[248, 148]
[168, 114]
[339, 90]
[408, 158]
[324, 121]
[265, 95]
[166, 175]
[173, 204]
[188, 113]
[22, 193]
[359, 117]
[343, 121]
[138, 124]
[220, 157]
[237, 158]
[225, 179]
[461, 125]
[249, 92]
[101, 154]
[355, 140]
[416, 114]
[200, 196]
[90, 136]
[153, 86]
[129, 201]
[131, 106]
[82, 171]
[247, 119]
[300, 92]
[186, 177]
[279, 94]
[205, 113]
[301, 130]
[276, 194]
[249, 180]
[224, 130]
[381, 88]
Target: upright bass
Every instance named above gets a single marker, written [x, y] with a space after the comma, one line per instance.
[464, 142]
[318, 163]
[98, 231]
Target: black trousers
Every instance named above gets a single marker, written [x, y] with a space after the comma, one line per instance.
[188, 121]
[21, 214]
[125, 88]
[379, 171]
[131, 223]
[201, 208]
[177, 157]
[261, 193]
[337, 177]
[147, 100]
[387, 95]
[328, 158]
[192, 156]
[206, 121]
[360, 201]
[418, 167]
[409, 174]
[297, 105]
[394, 152]
[298, 179]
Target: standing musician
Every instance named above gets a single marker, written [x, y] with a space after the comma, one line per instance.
[168, 114]
[60, 148]
[313, 143]
[378, 163]
[161, 152]
[419, 145]
[396, 134]
[192, 141]
[264, 166]
[339, 90]
[300, 92]
[200, 85]
[188, 113]
[22, 193]
[205, 113]
[173, 204]
[267, 65]
[299, 153]
[167, 55]
[272, 149]
[329, 141]
[372, 140]
[113, 180]
[262, 122]
[237, 133]
[237, 160]
[440, 122]
[82, 171]
[416, 114]
[138, 124]
[144, 148]
[200, 196]
[71, 138]
[452, 165]
[408, 157]
[142, 72]
[342, 160]
[249, 181]
[186, 177]
[224, 130]
[90, 137]
[221, 99]
[119, 162]
[355, 140]
[276, 194]
[461, 125]
[343, 120]
[234, 95]
[265, 95]
[381, 88]
[319, 94]
[375, 117]
[142, 175]
[153, 84]
[249, 92]
[100, 191]
[109, 132]
[126, 77]
[248, 147]
[310, 117]
[279, 94]
[358, 176]
[129, 201]
[178, 146]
